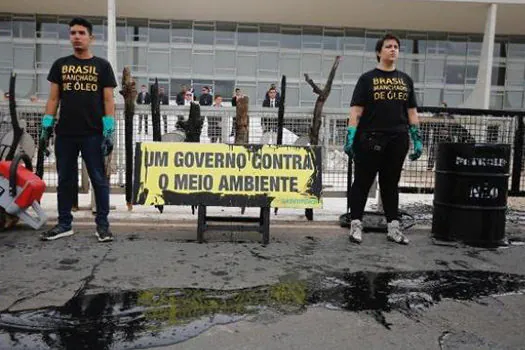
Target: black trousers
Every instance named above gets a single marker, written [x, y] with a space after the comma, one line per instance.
[382, 153]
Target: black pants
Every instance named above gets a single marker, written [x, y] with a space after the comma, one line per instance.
[67, 149]
[378, 152]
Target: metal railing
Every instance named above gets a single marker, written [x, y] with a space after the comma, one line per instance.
[455, 126]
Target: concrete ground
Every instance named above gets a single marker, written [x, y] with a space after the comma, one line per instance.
[154, 250]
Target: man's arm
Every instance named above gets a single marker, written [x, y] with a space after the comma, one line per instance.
[355, 113]
[53, 100]
[413, 117]
[109, 101]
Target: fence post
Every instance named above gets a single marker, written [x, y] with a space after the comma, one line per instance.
[518, 157]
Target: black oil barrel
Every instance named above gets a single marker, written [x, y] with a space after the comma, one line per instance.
[470, 193]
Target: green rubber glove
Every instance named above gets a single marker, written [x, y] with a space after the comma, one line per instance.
[108, 124]
[350, 140]
[416, 140]
[48, 121]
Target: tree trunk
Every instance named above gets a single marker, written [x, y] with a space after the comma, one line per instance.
[241, 121]
[318, 112]
[321, 99]
[155, 110]
[129, 92]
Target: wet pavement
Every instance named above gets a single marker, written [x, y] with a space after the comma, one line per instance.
[309, 289]
[135, 319]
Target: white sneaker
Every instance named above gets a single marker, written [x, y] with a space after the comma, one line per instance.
[356, 231]
[394, 233]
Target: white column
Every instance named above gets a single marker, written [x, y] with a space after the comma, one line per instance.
[480, 96]
[112, 36]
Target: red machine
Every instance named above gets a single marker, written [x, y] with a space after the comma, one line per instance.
[20, 190]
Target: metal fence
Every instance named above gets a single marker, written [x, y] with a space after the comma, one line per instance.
[456, 125]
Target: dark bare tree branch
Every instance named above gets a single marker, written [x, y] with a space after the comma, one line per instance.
[331, 76]
[321, 99]
[314, 86]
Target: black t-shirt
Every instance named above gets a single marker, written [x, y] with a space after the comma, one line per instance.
[81, 83]
[386, 97]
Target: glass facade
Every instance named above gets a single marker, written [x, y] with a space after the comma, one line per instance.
[253, 56]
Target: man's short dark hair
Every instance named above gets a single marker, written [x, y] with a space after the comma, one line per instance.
[380, 42]
[237, 89]
[82, 22]
[206, 87]
[217, 96]
[272, 89]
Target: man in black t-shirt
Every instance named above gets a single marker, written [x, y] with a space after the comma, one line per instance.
[82, 85]
[383, 113]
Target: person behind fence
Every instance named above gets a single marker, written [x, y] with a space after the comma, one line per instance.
[214, 122]
[238, 93]
[270, 124]
[205, 98]
[143, 98]
[383, 113]
[83, 85]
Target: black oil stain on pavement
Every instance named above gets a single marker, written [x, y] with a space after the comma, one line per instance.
[160, 317]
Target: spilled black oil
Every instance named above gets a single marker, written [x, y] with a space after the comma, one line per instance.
[156, 317]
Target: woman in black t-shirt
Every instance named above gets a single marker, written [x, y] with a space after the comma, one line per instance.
[383, 113]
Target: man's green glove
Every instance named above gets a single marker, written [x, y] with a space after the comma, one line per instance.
[108, 124]
[48, 121]
[350, 140]
[416, 140]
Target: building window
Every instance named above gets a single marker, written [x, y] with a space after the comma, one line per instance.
[515, 73]
[513, 100]
[225, 88]
[225, 34]
[433, 97]
[181, 32]
[312, 37]
[159, 32]
[6, 27]
[333, 39]
[290, 37]
[434, 70]
[24, 56]
[496, 100]
[268, 65]
[453, 98]
[159, 61]
[24, 27]
[180, 61]
[290, 65]
[457, 46]
[204, 33]
[6, 55]
[456, 72]
[247, 35]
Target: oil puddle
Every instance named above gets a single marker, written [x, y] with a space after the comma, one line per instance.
[157, 317]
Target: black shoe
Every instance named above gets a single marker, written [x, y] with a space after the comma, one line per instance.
[104, 234]
[56, 233]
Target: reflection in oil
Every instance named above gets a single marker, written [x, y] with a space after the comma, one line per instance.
[156, 317]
